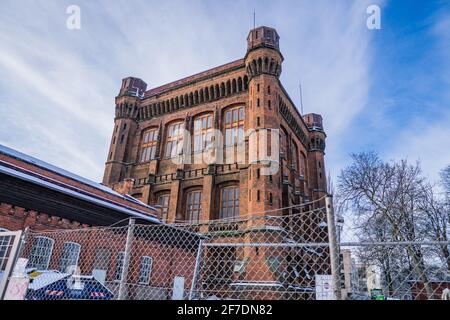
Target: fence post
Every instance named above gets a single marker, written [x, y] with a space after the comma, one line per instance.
[334, 250]
[23, 241]
[196, 269]
[126, 261]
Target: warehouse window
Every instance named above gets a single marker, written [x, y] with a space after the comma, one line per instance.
[203, 133]
[174, 144]
[119, 266]
[234, 131]
[69, 255]
[163, 201]
[149, 142]
[146, 270]
[193, 206]
[41, 253]
[229, 202]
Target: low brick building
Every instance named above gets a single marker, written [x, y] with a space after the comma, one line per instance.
[64, 211]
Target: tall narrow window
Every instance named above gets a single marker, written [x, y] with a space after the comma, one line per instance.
[229, 202]
[294, 156]
[5, 245]
[163, 201]
[174, 144]
[283, 142]
[234, 128]
[149, 142]
[302, 164]
[203, 133]
[41, 253]
[119, 266]
[193, 206]
[69, 255]
[146, 270]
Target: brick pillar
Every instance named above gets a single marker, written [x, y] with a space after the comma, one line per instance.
[174, 213]
[208, 200]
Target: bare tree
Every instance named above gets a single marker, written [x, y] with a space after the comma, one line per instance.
[445, 178]
[434, 222]
[388, 193]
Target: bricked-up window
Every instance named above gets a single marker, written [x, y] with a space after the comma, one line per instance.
[234, 128]
[149, 142]
[163, 201]
[203, 133]
[41, 253]
[119, 266]
[146, 270]
[69, 256]
[174, 144]
[194, 205]
[229, 202]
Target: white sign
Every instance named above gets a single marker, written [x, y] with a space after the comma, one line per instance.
[19, 268]
[178, 288]
[324, 287]
[17, 288]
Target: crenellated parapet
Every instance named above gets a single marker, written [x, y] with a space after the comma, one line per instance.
[16, 218]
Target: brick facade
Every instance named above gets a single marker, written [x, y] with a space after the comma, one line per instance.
[15, 218]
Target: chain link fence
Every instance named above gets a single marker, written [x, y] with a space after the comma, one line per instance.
[292, 257]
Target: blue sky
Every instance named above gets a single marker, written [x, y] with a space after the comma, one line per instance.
[386, 90]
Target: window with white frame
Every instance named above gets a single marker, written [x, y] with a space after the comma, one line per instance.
[174, 140]
[69, 255]
[41, 253]
[5, 245]
[119, 266]
[149, 143]
[203, 133]
[146, 269]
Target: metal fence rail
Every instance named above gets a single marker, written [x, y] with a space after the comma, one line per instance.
[295, 256]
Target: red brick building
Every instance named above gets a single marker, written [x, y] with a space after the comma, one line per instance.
[245, 94]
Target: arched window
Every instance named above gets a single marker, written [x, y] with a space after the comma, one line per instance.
[69, 256]
[41, 253]
[174, 141]
[229, 202]
[149, 142]
[146, 270]
[234, 129]
[203, 133]
[119, 266]
[193, 206]
[163, 201]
